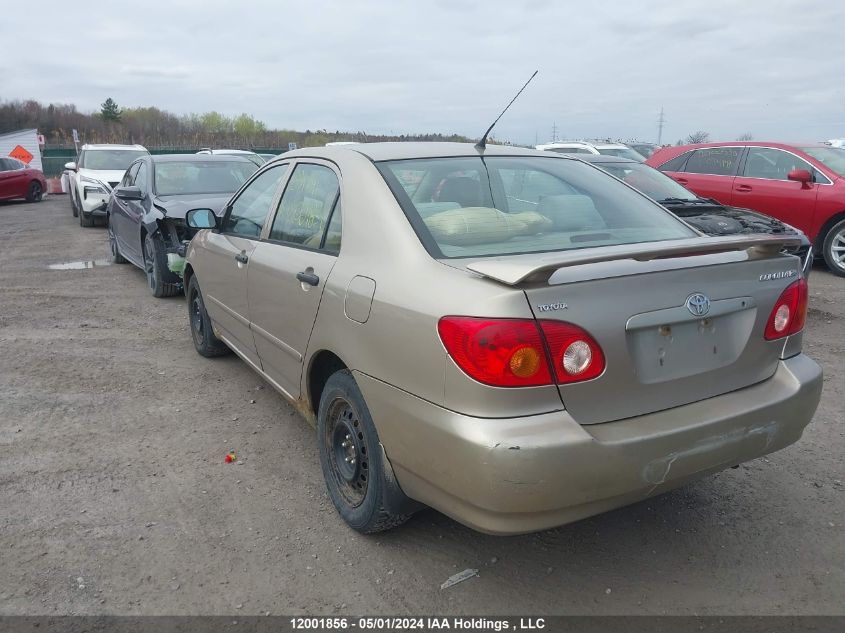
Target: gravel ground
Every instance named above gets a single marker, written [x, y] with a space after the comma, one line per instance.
[114, 498]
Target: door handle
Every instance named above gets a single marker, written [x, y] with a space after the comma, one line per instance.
[242, 258]
[743, 188]
[308, 278]
[683, 181]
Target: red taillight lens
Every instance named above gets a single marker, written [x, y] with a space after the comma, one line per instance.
[512, 352]
[500, 352]
[790, 312]
[575, 354]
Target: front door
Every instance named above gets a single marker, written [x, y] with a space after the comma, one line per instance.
[222, 264]
[763, 186]
[288, 270]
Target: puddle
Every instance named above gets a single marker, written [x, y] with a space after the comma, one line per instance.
[95, 263]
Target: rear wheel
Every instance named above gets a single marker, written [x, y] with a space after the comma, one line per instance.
[202, 334]
[35, 193]
[833, 249]
[161, 281]
[351, 457]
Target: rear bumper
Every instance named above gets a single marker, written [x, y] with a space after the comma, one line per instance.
[515, 475]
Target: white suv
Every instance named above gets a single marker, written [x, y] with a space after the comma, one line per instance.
[593, 147]
[99, 170]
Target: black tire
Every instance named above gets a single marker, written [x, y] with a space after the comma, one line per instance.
[85, 220]
[73, 208]
[161, 281]
[833, 249]
[116, 257]
[35, 193]
[345, 432]
[202, 334]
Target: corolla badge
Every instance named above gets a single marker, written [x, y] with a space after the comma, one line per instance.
[698, 304]
[783, 274]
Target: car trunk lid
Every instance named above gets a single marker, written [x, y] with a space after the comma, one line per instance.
[643, 304]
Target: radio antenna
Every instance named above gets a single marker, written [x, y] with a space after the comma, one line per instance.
[483, 142]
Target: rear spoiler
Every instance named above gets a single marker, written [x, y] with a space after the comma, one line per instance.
[516, 269]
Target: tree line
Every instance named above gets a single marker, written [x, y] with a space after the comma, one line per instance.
[157, 128]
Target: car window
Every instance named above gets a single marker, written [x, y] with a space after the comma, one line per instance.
[129, 176]
[524, 189]
[716, 161]
[676, 164]
[14, 163]
[142, 177]
[772, 164]
[623, 152]
[180, 177]
[109, 159]
[248, 212]
[306, 206]
[465, 206]
[5, 164]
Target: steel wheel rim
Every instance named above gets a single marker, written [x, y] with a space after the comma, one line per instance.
[36, 191]
[196, 317]
[837, 248]
[345, 443]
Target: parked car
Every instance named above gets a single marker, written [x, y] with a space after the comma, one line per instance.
[512, 337]
[146, 211]
[802, 185]
[590, 147]
[643, 148]
[707, 215]
[93, 176]
[19, 180]
[257, 159]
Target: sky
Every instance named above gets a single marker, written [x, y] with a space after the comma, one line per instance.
[771, 68]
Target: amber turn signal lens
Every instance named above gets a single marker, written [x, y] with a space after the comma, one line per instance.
[524, 362]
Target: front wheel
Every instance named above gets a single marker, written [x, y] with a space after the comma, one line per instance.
[205, 342]
[161, 281]
[116, 257]
[833, 249]
[351, 457]
[35, 193]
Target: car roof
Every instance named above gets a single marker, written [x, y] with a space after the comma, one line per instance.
[773, 144]
[199, 158]
[596, 144]
[407, 150]
[113, 146]
[603, 158]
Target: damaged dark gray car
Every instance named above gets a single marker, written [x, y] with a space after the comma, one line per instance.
[146, 211]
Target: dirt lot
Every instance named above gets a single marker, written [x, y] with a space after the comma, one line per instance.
[114, 497]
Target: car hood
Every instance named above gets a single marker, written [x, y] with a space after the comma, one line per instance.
[178, 206]
[106, 176]
[712, 218]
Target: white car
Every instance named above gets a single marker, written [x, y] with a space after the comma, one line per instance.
[593, 147]
[91, 179]
[255, 158]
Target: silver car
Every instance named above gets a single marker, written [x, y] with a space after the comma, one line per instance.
[512, 337]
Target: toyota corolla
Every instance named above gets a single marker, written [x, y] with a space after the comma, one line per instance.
[513, 337]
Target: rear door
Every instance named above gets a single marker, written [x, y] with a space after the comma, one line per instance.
[710, 172]
[288, 270]
[762, 185]
[222, 260]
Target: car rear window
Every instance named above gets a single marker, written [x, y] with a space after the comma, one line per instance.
[469, 207]
[173, 178]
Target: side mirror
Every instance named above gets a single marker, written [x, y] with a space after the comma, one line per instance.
[71, 166]
[800, 175]
[201, 219]
[129, 193]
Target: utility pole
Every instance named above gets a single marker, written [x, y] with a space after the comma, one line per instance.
[554, 132]
[661, 121]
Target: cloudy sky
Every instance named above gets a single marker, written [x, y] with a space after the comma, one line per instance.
[772, 68]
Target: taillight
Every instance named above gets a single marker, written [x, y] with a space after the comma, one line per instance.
[575, 354]
[790, 312]
[513, 352]
[500, 352]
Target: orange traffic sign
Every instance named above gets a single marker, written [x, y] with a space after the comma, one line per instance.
[22, 154]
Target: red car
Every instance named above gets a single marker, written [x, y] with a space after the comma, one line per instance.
[18, 180]
[802, 185]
